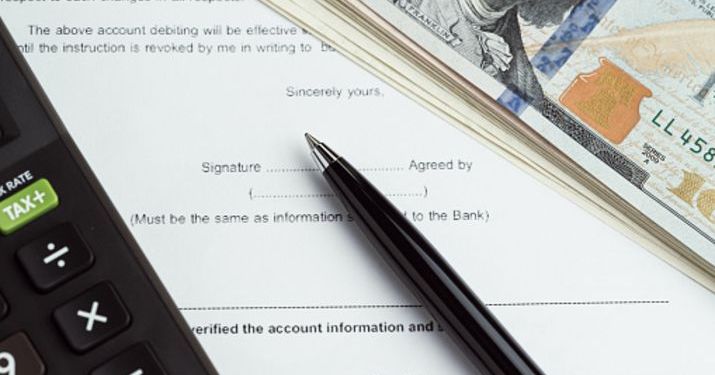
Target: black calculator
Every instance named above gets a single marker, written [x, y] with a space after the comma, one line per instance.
[77, 296]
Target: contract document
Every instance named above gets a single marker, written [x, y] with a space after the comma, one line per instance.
[192, 115]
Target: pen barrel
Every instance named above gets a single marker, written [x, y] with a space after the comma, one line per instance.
[485, 342]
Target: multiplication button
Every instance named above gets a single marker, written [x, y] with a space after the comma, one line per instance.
[90, 319]
[139, 360]
[55, 257]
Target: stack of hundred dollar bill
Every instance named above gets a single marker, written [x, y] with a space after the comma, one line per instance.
[610, 101]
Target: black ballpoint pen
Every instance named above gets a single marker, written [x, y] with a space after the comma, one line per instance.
[484, 341]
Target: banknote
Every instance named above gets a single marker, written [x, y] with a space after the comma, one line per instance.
[624, 87]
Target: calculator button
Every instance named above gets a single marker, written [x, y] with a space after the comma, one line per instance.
[27, 205]
[55, 257]
[92, 318]
[8, 129]
[18, 356]
[3, 307]
[139, 360]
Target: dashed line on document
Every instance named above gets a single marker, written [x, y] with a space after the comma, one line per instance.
[414, 306]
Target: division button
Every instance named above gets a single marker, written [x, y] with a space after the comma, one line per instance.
[55, 257]
[27, 205]
[92, 318]
[18, 356]
[138, 360]
[3, 307]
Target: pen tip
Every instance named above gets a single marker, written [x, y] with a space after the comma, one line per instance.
[312, 142]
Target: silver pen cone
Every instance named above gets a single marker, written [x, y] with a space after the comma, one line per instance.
[322, 154]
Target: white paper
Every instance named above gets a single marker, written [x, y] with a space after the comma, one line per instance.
[580, 298]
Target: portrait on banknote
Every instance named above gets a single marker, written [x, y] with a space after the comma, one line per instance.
[487, 33]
